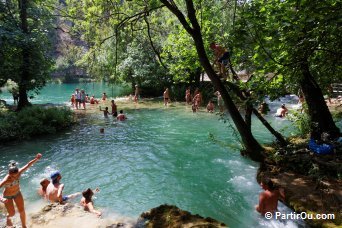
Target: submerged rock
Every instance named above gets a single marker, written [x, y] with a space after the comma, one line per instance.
[168, 216]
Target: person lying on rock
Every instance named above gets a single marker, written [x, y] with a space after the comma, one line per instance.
[87, 201]
[54, 191]
[268, 200]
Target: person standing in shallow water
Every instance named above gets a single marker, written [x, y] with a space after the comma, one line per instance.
[268, 200]
[136, 94]
[114, 109]
[166, 96]
[12, 191]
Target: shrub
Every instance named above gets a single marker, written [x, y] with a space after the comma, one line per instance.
[301, 121]
[33, 121]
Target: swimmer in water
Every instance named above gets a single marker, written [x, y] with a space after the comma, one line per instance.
[12, 193]
[268, 200]
[105, 112]
[282, 111]
[121, 116]
[87, 201]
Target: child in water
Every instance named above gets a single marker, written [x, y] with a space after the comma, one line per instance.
[105, 112]
[87, 201]
[210, 106]
[73, 100]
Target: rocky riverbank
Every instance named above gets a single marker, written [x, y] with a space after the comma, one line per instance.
[312, 183]
[72, 215]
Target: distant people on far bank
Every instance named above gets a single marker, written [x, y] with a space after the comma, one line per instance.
[268, 200]
[73, 101]
[282, 111]
[166, 96]
[121, 116]
[220, 102]
[104, 97]
[188, 97]
[15, 95]
[197, 99]
[78, 98]
[210, 107]
[83, 99]
[136, 94]
[93, 100]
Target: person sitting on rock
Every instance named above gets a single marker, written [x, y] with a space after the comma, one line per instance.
[54, 191]
[87, 201]
[42, 190]
[268, 200]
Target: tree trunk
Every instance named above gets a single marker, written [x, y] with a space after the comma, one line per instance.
[243, 97]
[278, 136]
[318, 109]
[23, 100]
[253, 148]
[248, 116]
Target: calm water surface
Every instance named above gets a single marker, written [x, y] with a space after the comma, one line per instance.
[157, 156]
[61, 93]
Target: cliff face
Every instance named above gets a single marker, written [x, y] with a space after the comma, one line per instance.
[68, 48]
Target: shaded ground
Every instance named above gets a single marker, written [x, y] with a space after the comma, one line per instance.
[312, 183]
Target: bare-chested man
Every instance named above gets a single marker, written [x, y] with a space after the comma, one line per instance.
[268, 200]
[221, 58]
[54, 191]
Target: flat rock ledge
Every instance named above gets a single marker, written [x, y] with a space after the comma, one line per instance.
[71, 215]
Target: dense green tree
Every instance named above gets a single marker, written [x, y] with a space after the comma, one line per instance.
[24, 28]
[299, 42]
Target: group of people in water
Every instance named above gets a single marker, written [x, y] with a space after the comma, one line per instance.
[80, 98]
[49, 190]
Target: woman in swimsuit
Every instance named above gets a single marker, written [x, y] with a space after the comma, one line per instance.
[12, 191]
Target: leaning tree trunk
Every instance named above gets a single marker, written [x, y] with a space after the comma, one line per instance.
[23, 100]
[244, 96]
[318, 109]
[253, 148]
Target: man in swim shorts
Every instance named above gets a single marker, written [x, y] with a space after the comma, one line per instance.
[221, 58]
[54, 191]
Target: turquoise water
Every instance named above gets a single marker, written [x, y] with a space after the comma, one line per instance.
[61, 93]
[157, 156]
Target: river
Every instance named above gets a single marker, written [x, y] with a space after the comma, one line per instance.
[159, 155]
